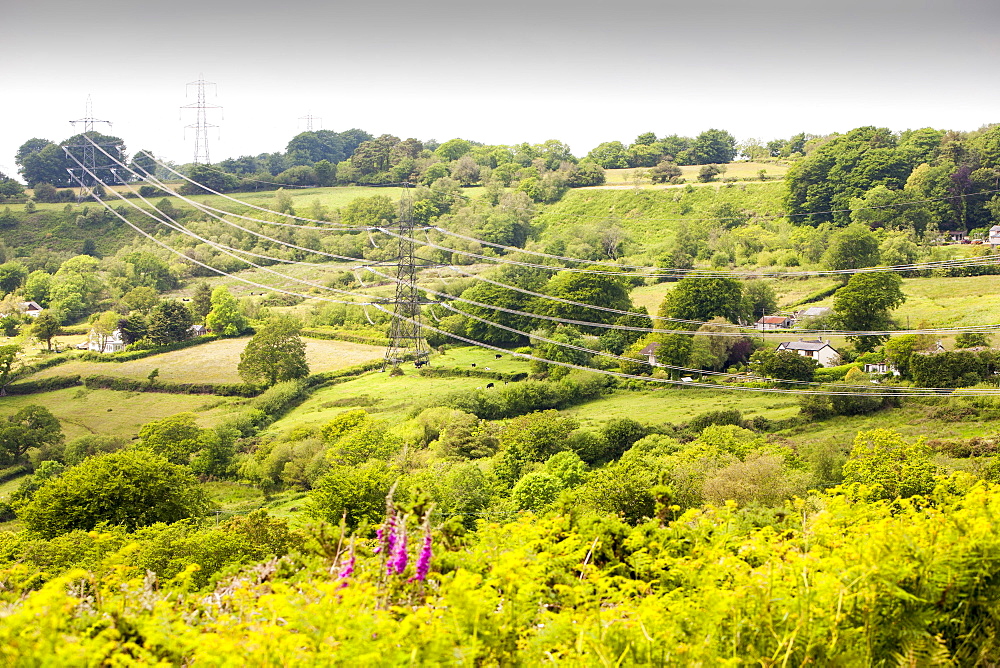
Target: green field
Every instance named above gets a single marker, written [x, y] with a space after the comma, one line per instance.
[678, 405]
[82, 411]
[216, 362]
[389, 398]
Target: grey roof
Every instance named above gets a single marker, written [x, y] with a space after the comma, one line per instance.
[650, 349]
[803, 345]
[814, 311]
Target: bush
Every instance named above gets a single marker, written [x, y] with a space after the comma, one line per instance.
[535, 491]
[90, 445]
[131, 488]
[355, 493]
[723, 417]
[760, 478]
[620, 434]
[888, 466]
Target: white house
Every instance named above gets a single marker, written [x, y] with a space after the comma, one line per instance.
[994, 238]
[650, 353]
[818, 349]
[883, 368]
[30, 308]
[112, 343]
[773, 322]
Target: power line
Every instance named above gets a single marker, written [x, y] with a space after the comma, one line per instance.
[674, 272]
[908, 392]
[739, 328]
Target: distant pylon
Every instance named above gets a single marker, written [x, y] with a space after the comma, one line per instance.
[85, 152]
[309, 118]
[406, 340]
[201, 124]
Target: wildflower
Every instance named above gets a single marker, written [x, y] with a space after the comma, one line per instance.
[387, 534]
[347, 567]
[424, 558]
[397, 557]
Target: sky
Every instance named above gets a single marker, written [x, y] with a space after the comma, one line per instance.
[579, 71]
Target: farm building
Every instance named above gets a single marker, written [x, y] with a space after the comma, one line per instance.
[817, 349]
[774, 322]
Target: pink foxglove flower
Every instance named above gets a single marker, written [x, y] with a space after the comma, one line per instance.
[424, 558]
[398, 557]
[347, 566]
[387, 534]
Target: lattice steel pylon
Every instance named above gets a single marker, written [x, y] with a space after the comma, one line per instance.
[201, 124]
[309, 118]
[406, 340]
[85, 152]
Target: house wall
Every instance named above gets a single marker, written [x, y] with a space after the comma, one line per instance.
[827, 357]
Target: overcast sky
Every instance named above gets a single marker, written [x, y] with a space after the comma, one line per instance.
[580, 71]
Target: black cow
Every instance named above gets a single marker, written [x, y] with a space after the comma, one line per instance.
[489, 385]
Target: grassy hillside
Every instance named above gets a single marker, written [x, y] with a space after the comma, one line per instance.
[744, 171]
[216, 362]
[651, 217]
[82, 411]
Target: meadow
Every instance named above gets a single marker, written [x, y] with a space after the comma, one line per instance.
[216, 362]
[111, 413]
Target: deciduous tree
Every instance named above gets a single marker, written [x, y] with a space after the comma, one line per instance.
[225, 318]
[864, 305]
[31, 427]
[275, 353]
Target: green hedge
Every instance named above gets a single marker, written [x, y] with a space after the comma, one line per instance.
[954, 368]
[531, 395]
[97, 381]
[11, 472]
[44, 384]
[819, 295]
[48, 363]
[833, 373]
[345, 336]
[473, 373]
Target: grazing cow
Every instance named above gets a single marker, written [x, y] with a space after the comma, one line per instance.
[498, 356]
[473, 365]
[489, 385]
